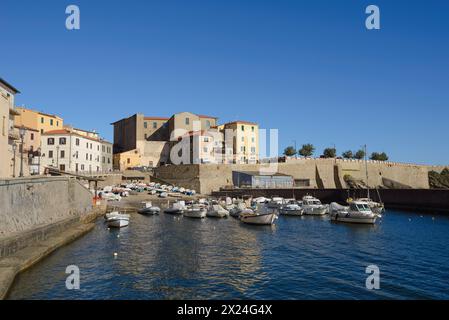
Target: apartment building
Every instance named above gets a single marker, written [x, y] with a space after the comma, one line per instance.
[8, 135]
[37, 120]
[75, 150]
[245, 136]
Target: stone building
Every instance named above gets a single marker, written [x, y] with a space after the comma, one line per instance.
[9, 137]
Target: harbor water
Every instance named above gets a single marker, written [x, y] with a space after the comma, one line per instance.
[171, 257]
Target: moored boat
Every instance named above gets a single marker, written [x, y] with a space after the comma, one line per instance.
[291, 209]
[149, 209]
[313, 206]
[356, 212]
[177, 208]
[217, 211]
[261, 216]
[195, 211]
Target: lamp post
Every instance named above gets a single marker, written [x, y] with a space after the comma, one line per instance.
[39, 161]
[14, 148]
[22, 131]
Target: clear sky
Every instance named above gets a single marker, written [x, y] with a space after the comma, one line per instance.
[308, 68]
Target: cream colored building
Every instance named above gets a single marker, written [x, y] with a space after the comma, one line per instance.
[245, 140]
[73, 150]
[8, 135]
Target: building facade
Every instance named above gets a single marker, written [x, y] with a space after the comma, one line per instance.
[245, 140]
[9, 137]
[37, 120]
[72, 151]
[198, 135]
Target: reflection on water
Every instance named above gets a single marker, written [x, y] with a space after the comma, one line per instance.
[169, 257]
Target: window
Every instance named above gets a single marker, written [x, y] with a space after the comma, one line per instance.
[242, 149]
[253, 149]
[50, 154]
[104, 160]
[42, 131]
[243, 139]
[62, 154]
[187, 121]
[128, 160]
[87, 156]
[91, 146]
[82, 167]
[252, 139]
[62, 140]
[109, 160]
[51, 141]
[145, 125]
[42, 120]
[57, 123]
[62, 167]
[76, 155]
[252, 129]
[90, 157]
[243, 128]
[87, 145]
[32, 136]
[98, 148]
[207, 124]
[51, 122]
[206, 139]
[154, 125]
[102, 148]
[77, 141]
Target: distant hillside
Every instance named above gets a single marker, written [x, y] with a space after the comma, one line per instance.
[439, 180]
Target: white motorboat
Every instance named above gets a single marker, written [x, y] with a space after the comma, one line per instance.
[177, 208]
[163, 195]
[262, 216]
[196, 211]
[117, 220]
[357, 212]
[313, 206]
[148, 208]
[217, 211]
[291, 209]
[275, 203]
[376, 207]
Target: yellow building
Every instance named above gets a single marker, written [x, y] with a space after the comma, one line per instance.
[244, 137]
[40, 121]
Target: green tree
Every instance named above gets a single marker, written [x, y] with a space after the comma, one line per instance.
[379, 156]
[347, 154]
[330, 153]
[289, 151]
[307, 150]
[360, 154]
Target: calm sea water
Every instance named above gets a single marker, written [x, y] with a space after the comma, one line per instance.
[165, 257]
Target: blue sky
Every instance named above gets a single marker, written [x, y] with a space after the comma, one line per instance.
[308, 68]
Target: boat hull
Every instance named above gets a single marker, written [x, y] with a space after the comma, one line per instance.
[315, 211]
[359, 220]
[285, 212]
[148, 211]
[117, 223]
[196, 214]
[173, 211]
[262, 219]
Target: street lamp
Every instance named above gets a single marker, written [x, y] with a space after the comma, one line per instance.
[39, 161]
[22, 132]
[14, 148]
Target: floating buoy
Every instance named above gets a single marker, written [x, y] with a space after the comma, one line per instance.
[115, 254]
[421, 216]
[118, 236]
[433, 218]
[409, 219]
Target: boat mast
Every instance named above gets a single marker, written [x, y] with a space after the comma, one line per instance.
[366, 169]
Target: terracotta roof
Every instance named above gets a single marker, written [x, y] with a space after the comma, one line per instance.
[241, 121]
[64, 131]
[204, 116]
[156, 118]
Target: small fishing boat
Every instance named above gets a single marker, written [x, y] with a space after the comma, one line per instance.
[217, 211]
[196, 211]
[177, 208]
[313, 206]
[148, 208]
[262, 216]
[291, 209]
[357, 212]
[116, 219]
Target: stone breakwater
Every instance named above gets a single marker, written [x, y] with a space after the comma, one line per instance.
[38, 216]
